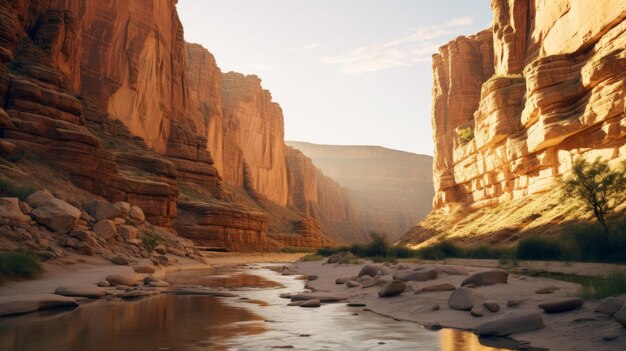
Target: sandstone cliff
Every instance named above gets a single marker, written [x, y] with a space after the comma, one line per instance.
[514, 105]
[111, 94]
[392, 189]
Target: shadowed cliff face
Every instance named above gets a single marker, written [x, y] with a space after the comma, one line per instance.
[392, 190]
[514, 105]
[109, 92]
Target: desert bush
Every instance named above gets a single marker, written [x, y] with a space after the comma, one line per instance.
[311, 257]
[10, 188]
[613, 284]
[589, 242]
[151, 241]
[538, 248]
[439, 251]
[327, 251]
[381, 259]
[19, 265]
[296, 249]
[466, 135]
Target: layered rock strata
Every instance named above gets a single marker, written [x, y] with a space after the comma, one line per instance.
[513, 106]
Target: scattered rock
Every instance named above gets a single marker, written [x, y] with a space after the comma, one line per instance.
[120, 260]
[343, 280]
[38, 198]
[465, 299]
[372, 270]
[478, 310]
[492, 306]
[311, 303]
[127, 231]
[10, 208]
[56, 214]
[620, 316]
[435, 307]
[154, 282]
[352, 284]
[547, 290]
[105, 229]
[393, 288]
[104, 284]
[491, 277]
[144, 269]
[561, 305]
[123, 208]
[368, 282]
[610, 305]
[417, 276]
[432, 325]
[439, 287]
[510, 323]
[18, 304]
[514, 302]
[138, 293]
[89, 291]
[137, 214]
[323, 297]
[100, 210]
[117, 279]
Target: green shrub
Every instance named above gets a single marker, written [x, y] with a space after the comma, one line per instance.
[538, 248]
[311, 257]
[151, 241]
[589, 242]
[10, 188]
[466, 135]
[487, 252]
[613, 284]
[327, 251]
[293, 249]
[381, 259]
[19, 265]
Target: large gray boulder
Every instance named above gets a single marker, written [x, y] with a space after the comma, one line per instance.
[465, 299]
[491, 277]
[393, 288]
[10, 208]
[55, 214]
[561, 305]
[17, 304]
[89, 291]
[416, 276]
[511, 323]
[100, 209]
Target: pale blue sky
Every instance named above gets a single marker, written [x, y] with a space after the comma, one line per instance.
[344, 71]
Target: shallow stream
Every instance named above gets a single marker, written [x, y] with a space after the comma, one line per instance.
[258, 319]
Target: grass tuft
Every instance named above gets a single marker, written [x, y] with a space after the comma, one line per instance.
[19, 265]
[613, 284]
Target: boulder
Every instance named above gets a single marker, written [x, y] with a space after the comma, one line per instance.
[336, 257]
[439, 287]
[323, 297]
[100, 210]
[491, 277]
[39, 197]
[352, 284]
[105, 229]
[120, 260]
[10, 208]
[127, 231]
[620, 316]
[393, 288]
[117, 279]
[372, 270]
[17, 304]
[610, 305]
[123, 208]
[465, 299]
[88, 291]
[144, 269]
[133, 294]
[137, 214]
[343, 280]
[511, 322]
[417, 276]
[492, 306]
[561, 305]
[311, 303]
[55, 214]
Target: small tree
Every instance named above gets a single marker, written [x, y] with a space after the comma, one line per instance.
[598, 186]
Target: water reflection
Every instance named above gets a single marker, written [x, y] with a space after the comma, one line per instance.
[163, 321]
[257, 320]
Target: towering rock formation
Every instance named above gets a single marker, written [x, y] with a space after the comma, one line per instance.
[392, 189]
[112, 95]
[514, 105]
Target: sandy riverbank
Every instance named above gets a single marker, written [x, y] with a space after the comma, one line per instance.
[94, 271]
[580, 329]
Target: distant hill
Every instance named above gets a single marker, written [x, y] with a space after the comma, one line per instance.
[392, 190]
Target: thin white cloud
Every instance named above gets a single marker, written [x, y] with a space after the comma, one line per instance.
[416, 45]
[303, 48]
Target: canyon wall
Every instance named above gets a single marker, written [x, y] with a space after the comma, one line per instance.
[514, 105]
[110, 93]
[392, 190]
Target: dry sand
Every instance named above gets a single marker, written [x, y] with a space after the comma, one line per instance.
[581, 329]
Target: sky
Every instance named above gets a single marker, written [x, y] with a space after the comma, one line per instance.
[345, 72]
